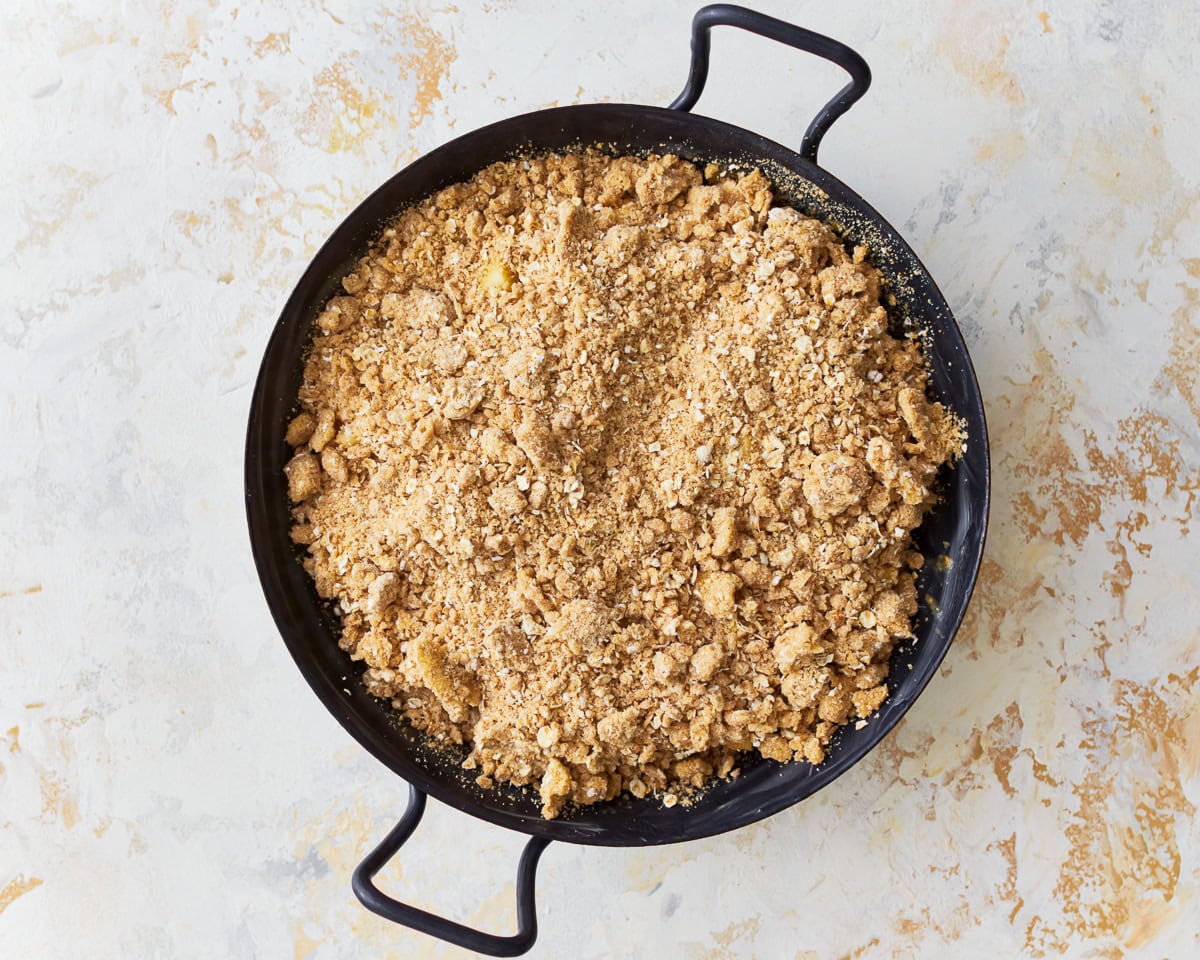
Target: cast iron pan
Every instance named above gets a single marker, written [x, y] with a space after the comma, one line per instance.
[956, 527]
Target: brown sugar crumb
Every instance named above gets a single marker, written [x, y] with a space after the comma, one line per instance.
[611, 468]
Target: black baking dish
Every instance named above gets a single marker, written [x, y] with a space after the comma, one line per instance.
[956, 527]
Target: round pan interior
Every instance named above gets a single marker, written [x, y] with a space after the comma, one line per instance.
[955, 528]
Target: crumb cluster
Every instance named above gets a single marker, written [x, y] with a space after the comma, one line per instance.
[611, 466]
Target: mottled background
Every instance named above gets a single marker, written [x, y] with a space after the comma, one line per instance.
[169, 787]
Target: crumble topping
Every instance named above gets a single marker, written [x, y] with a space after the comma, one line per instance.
[611, 467]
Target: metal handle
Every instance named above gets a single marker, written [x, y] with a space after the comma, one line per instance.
[379, 902]
[726, 14]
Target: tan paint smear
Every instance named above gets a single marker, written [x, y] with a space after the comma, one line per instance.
[17, 889]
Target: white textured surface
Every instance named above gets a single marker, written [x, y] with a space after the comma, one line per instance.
[168, 784]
